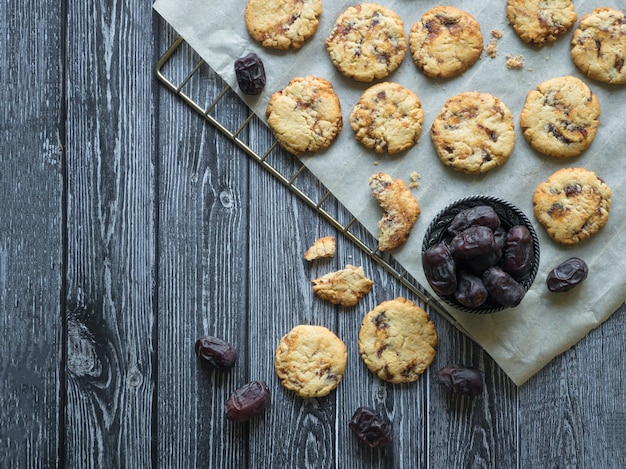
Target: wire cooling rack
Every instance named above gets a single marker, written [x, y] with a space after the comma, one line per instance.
[187, 69]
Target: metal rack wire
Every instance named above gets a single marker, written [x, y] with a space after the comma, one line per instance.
[352, 229]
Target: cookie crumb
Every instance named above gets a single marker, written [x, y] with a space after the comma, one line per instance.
[514, 62]
[492, 47]
[415, 176]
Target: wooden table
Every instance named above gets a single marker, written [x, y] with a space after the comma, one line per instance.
[130, 226]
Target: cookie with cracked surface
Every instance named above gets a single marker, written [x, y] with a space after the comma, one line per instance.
[538, 22]
[560, 117]
[344, 287]
[310, 361]
[387, 118]
[473, 133]
[598, 46]
[305, 116]
[367, 42]
[321, 248]
[446, 42]
[397, 341]
[573, 204]
[282, 24]
[400, 210]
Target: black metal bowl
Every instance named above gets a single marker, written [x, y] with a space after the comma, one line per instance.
[509, 215]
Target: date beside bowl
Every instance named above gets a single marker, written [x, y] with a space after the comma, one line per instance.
[480, 254]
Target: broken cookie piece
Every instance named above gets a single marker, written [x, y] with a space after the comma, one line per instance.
[344, 287]
[400, 210]
[323, 247]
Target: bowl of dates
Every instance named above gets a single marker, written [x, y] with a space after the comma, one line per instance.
[480, 254]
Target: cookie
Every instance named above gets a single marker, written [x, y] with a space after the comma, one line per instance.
[473, 133]
[538, 22]
[560, 117]
[446, 42]
[387, 118]
[397, 341]
[321, 248]
[367, 42]
[344, 287]
[598, 46]
[310, 361]
[400, 210]
[282, 24]
[573, 204]
[305, 116]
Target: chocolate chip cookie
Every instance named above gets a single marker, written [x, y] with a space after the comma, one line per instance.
[539, 21]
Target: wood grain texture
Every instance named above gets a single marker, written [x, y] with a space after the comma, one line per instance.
[31, 247]
[110, 230]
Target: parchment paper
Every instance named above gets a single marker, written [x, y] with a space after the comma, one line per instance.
[524, 339]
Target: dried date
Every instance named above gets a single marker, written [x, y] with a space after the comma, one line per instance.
[471, 290]
[250, 74]
[567, 275]
[483, 215]
[440, 269]
[518, 251]
[459, 379]
[472, 242]
[219, 353]
[503, 288]
[370, 428]
[247, 401]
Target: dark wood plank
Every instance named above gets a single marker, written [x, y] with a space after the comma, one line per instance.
[111, 232]
[31, 131]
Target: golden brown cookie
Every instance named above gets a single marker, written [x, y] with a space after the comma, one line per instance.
[344, 287]
[539, 21]
[400, 210]
[367, 42]
[598, 46]
[446, 42]
[310, 361]
[305, 116]
[282, 24]
[560, 117]
[321, 248]
[397, 341]
[387, 118]
[573, 204]
[473, 133]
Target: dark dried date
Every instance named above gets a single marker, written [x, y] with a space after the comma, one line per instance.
[440, 269]
[567, 275]
[219, 353]
[370, 428]
[470, 291]
[247, 401]
[503, 288]
[518, 251]
[472, 242]
[483, 215]
[459, 379]
[250, 74]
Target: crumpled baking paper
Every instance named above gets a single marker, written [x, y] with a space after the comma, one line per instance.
[521, 340]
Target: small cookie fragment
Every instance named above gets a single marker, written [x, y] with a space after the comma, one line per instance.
[598, 46]
[446, 42]
[515, 62]
[492, 48]
[305, 116]
[344, 287]
[573, 204]
[539, 21]
[397, 341]
[310, 361]
[560, 117]
[367, 42]
[322, 247]
[387, 118]
[473, 132]
[400, 210]
[282, 24]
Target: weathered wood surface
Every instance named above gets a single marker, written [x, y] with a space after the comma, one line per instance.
[129, 226]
